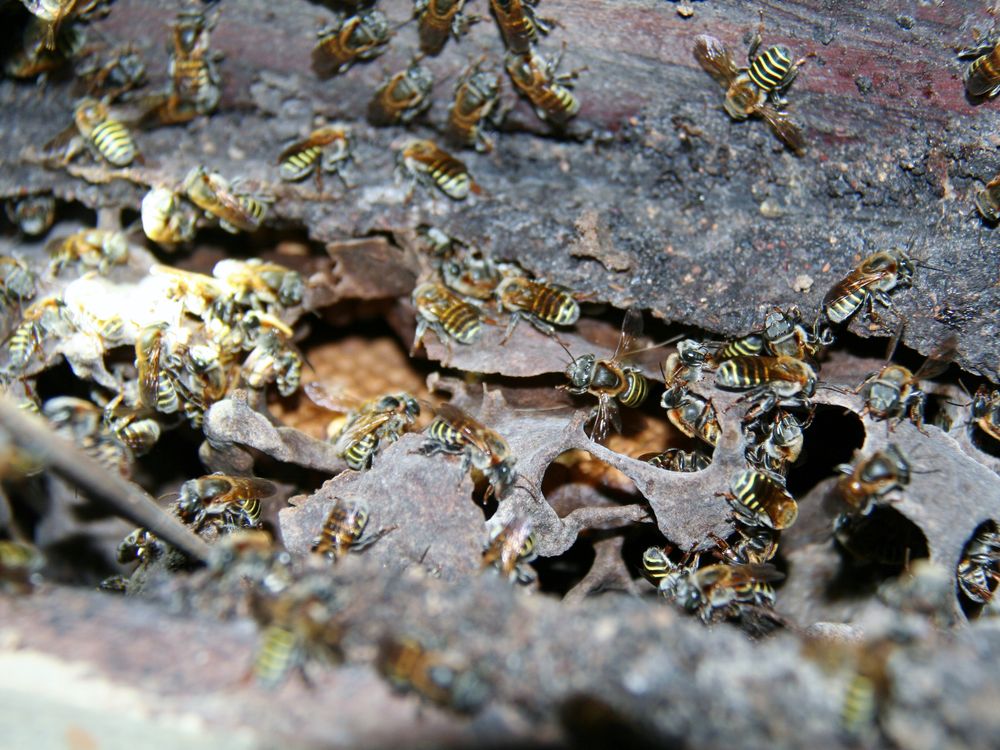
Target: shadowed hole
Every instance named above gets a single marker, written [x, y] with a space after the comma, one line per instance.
[831, 439]
[577, 479]
[557, 575]
[983, 586]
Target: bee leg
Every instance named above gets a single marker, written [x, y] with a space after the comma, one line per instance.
[756, 40]
[418, 336]
[541, 325]
[432, 448]
[511, 325]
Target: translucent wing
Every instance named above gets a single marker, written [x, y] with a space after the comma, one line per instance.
[340, 400]
[713, 56]
[631, 330]
[784, 128]
[938, 361]
[470, 429]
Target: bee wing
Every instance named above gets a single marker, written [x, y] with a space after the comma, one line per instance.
[938, 361]
[358, 428]
[713, 56]
[339, 400]
[259, 488]
[784, 128]
[471, 429]
[631, 330]
[764, 572]
[60, 142]
[854, 281]
[607, 414]
[294, 149]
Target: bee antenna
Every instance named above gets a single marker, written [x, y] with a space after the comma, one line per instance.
[565, 348]
[657, 345]
[921, 264]
[527, 489]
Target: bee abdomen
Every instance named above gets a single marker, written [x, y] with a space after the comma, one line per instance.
[446, 434]
[983, 74]
[451, 177]
[838, 310]
[278, 652]
[360, 452]
[636, 389]
[740, 373]
[748, 346]
[557, 307]
[299, 165]
[769, 68]
[462, 322]
[114, 143]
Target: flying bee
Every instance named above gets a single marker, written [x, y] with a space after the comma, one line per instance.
[326, 149]
[48, 316]
[368, 424]
[518, 24]
[236, 500]
[982, 76]
[979, 567]
[986, 411]
[759, 500]
[256, 283]
[157, 390]
[453, 431]
[692, 414]
[445, 313]
[610, 381]
[399, 100]
[17, 281]
[95, 129]
[535, 77]
[20, 566]
[92, 248]
[212, 193]
[675, 459]
[757, 90]
[988, 200]
[361, 37]
[781, 447]
[510, 549]
[141, 545]
[872, 478]
[33, 214]
[423, 162]
[870, 282]
[770, 381]
[167, 219]
[437, 676]
[541, 304]
[476, 97]
[33, 58]
[720, 591]
[437, 20]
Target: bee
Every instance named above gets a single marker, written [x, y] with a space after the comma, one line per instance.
[518, 24]
[755, 546]
[33, 58]
[235, 499]
[445, 313]
[135, 431]
[469, 271]
[157, 389]
[212, 193]
[675, 459]
[95, 129]
[425, 163]
[476, 97]
[986, 411]
[195, 82]
[659, 569]
[870, 282]
[759, 500]
[437, 19]
[785, 336]
[720, 591]
[693, 357]
[610, 381]
[92, 248]
[692, 414]
[510, 549]
[982, 76]
[167, 219]
[781, 446]
[453, 431]
[273, 359]
[122, 73]
[437, 676]
[541, 304]
[344, 530]
[979, 567]
[361, 37]
[536, 79]
[141, 545]
[325, 150]
[17, 281]
[52, 14]
[33, 214]
[368, 424]
[770, 381]
[757, 90]
[47, 316]
[403, 97]
[988, 200]
[80, 421]
[197, 292]
[20, 566]
[256, 283]
[872, 478]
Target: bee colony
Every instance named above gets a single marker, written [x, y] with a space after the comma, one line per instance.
[500, 371]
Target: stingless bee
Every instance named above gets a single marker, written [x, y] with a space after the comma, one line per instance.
[694, 357]
[988, 200]
[194, 78]
[781, 446]
[982, 76]
[610, 381]
[717, 592]
[453, 431]
[873, 477]
[167, 219]
[211, 192]
[236, 500]
[437, 20]
[368, 423]
[32, 58]
[273, 358]
[136, 432]
[439, 677]
[95, 129]
[259, 284]
[469, 271]
[518, 24]
[54, 13]
[141, 545]
[424, 162]
[755, 545]
[541, 304]
[361, 37]
[33, 214]
[785, 336]
[92, 248]
[692, 414]
[476, 97]
[979, 567]
[45, 317]
[80, 421]
[986, 411]
[757, 90]
[444, 312]
[770, 381]
[511, 547]
[759, 500]
[403, 97]
[195, 291]
[675, 459]
[20, 566]
[868, 283]
[535, 77]
[157, 390]
[17, 281]
[659, 569]
[327, 149]
[344, 530]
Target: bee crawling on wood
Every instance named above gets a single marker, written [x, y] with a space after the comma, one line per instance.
[759, 499]
[235, 209]
[167, 219]
[424, 162]
[236, 500]
[344, 530]
[439, 19]
[541, 304]
[988, 201]
[327, 149]
[868, 283]
[873, 477]
[982, 76]
[439, 676]
[403, 97]
[476, 96]
[675, 459]
[537, 79]
[95, 129]
[447, 314]
[361, 37]
[519, 25]
[770, 382]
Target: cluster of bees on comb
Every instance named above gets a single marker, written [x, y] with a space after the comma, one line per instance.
[207, 337]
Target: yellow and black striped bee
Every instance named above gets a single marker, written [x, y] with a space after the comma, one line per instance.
[33, 58]
[759, 500]
[425, 163]
[780, 446]
[511, 547]
[17, 281]
[979, 567]
[273, 359]
[439, 677]
[236, 500]
[982, 76]
[444, 312]
[92, 248]
[757, 90]
[134, 430]
[873, 477]
[236, 211]
[692, 414]
[518, 23]
[720, 591]
[439, 19]
[368, 424]
[609, 380]
[46, 317]
[694, 357]
[157, 389]
[167, 219]
[327, 149]
[194, 78]
[986, 411]
[659, 569]
[344, 530]
[361, 37]
[868, 283]
[453, 431]
[785, 335]
[675, 459]
[403, 97]
[988, 201]
[20, 566]
[535, 77]
[771, 382]
[141, 545]
[95, 129]
[541, 304]
[476, 97]
[259, 284]
[33, 214]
